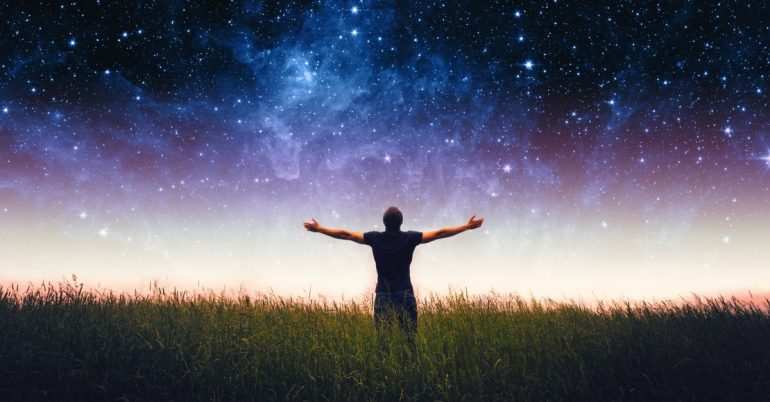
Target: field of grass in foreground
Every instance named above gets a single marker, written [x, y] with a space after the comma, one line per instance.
[63, 343]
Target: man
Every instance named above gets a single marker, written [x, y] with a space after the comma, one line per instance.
[392, 250]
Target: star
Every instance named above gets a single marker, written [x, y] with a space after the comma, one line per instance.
[103, 232]
[507, 168]
[354, 32]
[83, 215]
[766, 158]
[354, 10]
[528, 64]
[387, 158]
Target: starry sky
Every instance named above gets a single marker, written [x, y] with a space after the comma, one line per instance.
[615, 151]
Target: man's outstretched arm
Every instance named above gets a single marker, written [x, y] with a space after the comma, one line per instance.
[473, 223]
[343, 234]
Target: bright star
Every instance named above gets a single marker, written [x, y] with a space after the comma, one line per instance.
[507, 168]
[5, 109]
[517, 14]
[83, 215]
[766, 158]
[354, 10]
[103, 232]
[728, 131]
[387, 158]
[354, 32]
[528, 64]
[72, 43]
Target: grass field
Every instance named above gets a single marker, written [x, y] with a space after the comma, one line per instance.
[58, 342]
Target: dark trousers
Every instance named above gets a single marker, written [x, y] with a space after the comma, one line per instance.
[400, 306]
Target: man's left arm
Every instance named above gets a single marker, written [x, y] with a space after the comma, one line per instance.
[342, 234]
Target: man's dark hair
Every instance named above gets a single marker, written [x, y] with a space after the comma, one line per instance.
[392, 219]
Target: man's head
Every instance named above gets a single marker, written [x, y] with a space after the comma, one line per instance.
[392, 219]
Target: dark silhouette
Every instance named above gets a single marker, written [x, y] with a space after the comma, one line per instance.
[392, 250]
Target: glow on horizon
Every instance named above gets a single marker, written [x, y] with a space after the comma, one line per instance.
[620, 261]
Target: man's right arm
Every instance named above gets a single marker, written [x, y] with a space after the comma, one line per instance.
[343, 234]
[429, 236]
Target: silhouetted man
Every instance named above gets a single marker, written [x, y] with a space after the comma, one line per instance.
[393, 251]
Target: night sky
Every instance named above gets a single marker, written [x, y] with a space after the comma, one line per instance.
[617, 150]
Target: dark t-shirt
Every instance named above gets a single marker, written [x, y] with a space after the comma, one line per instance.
[392, 255]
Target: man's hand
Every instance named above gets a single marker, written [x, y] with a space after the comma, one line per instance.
[474, 223]
[312, 226]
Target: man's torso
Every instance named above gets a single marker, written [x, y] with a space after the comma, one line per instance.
[393, 255]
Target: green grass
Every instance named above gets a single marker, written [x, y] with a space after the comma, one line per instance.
[62, 343]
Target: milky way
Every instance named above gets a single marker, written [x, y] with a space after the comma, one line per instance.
[615, 150]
